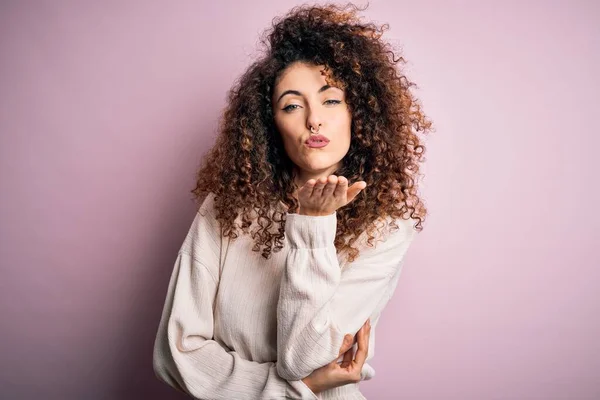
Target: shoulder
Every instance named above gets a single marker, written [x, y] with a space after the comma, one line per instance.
[207, 206]
[393, 231]
[382, 248]
[385, 244]
[205, 229]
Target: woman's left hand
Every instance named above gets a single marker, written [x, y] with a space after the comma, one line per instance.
[323, 196]
[349, 370]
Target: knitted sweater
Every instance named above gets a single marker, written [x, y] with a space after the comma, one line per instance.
[238, 326]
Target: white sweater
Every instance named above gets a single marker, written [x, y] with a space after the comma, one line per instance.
[238, 326]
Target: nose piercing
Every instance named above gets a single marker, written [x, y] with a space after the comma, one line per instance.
[312, 129]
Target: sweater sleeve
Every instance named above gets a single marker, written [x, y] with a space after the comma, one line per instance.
[319, 303]
[185, 355]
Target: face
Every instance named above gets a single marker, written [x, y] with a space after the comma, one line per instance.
[302, 100]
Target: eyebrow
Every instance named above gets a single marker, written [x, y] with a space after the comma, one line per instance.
[297, 93]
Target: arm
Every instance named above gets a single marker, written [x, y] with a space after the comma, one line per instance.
[319, 303]
[185, 354]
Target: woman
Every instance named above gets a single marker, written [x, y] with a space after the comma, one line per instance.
[307, 206]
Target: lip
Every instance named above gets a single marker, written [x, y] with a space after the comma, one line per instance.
[317, 141]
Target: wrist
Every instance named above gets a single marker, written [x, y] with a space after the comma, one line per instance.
[309, 384]
[313, 213]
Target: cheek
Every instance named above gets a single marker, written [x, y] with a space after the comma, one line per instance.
[343, 125]
[340, 116]
[287, 128]
[287, 135]
[289, 139]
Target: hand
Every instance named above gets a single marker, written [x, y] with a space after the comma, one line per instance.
[334, 374]
[323, 196]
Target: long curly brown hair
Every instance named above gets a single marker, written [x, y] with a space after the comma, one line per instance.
[248, 170]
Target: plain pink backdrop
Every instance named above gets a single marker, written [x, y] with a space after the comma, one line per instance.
[107, 106]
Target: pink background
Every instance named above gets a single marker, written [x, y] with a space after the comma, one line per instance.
[107, 106]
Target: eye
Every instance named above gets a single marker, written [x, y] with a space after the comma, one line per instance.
[292, 107]
[289, 109]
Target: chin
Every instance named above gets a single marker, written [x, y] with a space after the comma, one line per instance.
[317, 167]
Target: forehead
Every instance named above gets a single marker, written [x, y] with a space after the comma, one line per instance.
[301, 74]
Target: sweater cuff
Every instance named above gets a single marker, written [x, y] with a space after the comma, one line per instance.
[301, 390]
[305, 231]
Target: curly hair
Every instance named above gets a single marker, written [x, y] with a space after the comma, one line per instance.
[248, 170]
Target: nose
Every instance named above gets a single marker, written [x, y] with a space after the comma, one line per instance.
[314, 121]
[314, 130]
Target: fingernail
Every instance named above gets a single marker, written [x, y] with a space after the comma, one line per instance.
[369, 322]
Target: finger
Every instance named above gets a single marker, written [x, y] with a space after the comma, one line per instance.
[346, 344]
[332, 181]
[355, 189]
[363, 345]
[348, 357]
[307, 188]
[342, 187]
[318, 189]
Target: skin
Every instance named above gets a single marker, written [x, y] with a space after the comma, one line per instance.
[302, 100]
[348, 371]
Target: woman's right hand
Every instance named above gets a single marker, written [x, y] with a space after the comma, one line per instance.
[334, 374]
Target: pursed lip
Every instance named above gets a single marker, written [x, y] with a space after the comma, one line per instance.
[316, 139]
